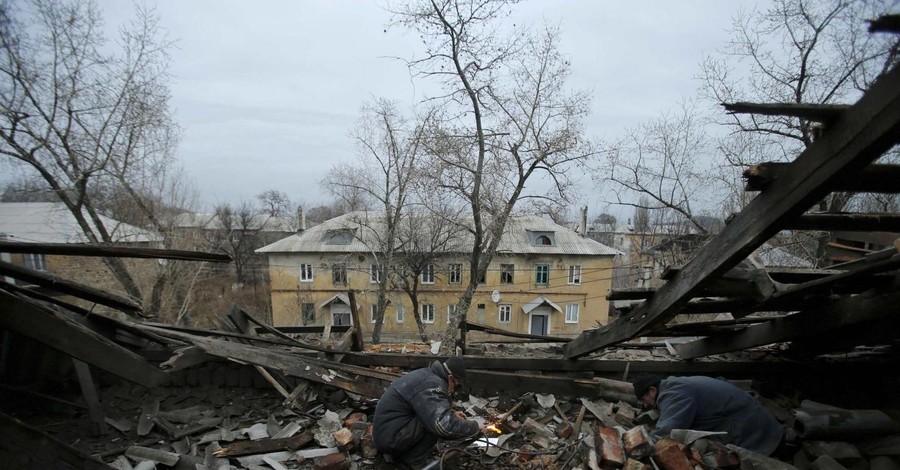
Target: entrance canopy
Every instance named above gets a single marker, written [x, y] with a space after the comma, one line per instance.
[539, 301]
[340, 298]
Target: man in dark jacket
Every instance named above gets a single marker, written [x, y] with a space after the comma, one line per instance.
[414, 412]
[707, 404]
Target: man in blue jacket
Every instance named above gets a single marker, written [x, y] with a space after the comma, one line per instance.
[414, 413]
[707, 404]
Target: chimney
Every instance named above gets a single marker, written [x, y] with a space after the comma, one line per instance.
[301, 219]
[584, 221]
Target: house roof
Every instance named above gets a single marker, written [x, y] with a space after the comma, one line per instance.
[51, 222]
[365, 225]
[265, 222]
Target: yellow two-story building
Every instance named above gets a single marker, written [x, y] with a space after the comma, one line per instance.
[544, 280]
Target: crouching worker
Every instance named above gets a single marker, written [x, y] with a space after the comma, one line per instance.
[414, 413]
[707, 404]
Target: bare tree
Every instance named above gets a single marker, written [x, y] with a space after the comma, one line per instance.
[81, 117]
[389, 149]
[237, 235]
[506, 117]
[275, 203]
[796, 51]
[665, 162]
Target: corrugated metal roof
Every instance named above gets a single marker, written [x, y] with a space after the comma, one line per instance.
[51, 222]
[264, 222]
[366, 224]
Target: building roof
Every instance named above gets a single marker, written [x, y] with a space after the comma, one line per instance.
[361, 228]
[51, 222]
[264, 222]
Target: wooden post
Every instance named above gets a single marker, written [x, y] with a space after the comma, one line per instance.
[358, 343]
[90, 396]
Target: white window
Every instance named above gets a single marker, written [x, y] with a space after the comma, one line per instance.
[451, 310]
[575, 274]
[428, 274]
[375, 273]
[339, 273]
[506, 273]
[427, 313]
[542, 274]
[572, 313]
[36, 261]
[401, 314]
[306, 273]
[505, 313]
[373, 310]
[454, 276]
[308, 311]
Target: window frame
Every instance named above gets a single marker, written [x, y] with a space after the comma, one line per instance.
[575, 274]
[508, 313]
[427, 275]
[573, 310]
[400, 314]
[339, 270]
[303, 312]
[450, 310]
[373, 309]
[510, 273]
[374, 273]
[430, 309]
[306, 272]
[454, 273]
[546, 274]
[36, 261]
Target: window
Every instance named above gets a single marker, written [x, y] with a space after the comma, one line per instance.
[542, 238]
[427, 313]
[306, 273]
[401, 314]
[506, 273]
[575, 274]
[428, 274]
[339, 273]
[373, 311]
[481, 277]
[339, 237]
[505, 313]
[572, 313]
[542, 274]
[308, 313]
[340, 318]
[455, 274]
[374, 273]
[36, 261]
[451, 310]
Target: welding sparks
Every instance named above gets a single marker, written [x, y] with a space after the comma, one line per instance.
[492, 429]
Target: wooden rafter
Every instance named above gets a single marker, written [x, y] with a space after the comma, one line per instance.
[69, 249]
[863, 133]
[876, 178]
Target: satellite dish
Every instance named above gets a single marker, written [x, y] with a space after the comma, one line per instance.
[495, 296]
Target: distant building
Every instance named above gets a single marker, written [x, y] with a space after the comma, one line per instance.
[52, 222]
[544, 280]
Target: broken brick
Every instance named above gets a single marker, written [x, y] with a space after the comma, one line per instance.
[565, 431]
[610, 453]
[338, 461]
[354, 418]
[671, 455]
[367, 445]
[637, 443]
[632, 464]
[344, 439]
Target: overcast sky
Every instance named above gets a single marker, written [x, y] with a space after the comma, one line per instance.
[267, 91]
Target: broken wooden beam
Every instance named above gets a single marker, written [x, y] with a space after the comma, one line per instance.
[263, 446]
[56, 331]
[71, 249]
[512, 334]
[74, 289]
[521, 383]
[23, 446]
[875, 178]
[848, 222]
[832, 317]
[862, 134]
[824, 113]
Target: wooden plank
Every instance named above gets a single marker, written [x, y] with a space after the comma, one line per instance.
[71, 249]
[841, 313]
[358, 343]
[783, 275]
[858, 222]
[263, 446]
[23, 446]
[875, 178]
[229, 334]
[315, 370]
[91, 397]
[512, 334]
[825, 113]
[305, 329]
[74, 289]
[522, 383]
[57, 332]
[862, 134]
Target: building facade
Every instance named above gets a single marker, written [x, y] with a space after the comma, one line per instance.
[544, 280]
